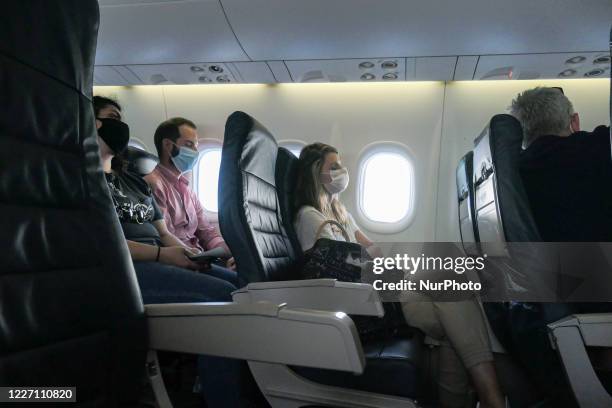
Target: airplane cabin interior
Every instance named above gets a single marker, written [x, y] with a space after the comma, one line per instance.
[233, 203]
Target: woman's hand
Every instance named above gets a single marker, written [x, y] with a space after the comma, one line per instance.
[231, 264]
[178, 256]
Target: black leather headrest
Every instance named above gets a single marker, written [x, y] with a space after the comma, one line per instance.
[286, 179]
[139, 161]
[504, 137]
[249, 212]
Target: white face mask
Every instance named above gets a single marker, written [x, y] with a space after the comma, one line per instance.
[339, 181]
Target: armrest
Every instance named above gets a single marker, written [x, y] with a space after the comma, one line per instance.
[596, 329]
[317, 294]
[262, 332]
[570, 336]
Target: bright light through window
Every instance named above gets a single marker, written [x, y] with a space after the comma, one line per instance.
[208, 178]
[296, 152]
[294, 146]
[387, 187]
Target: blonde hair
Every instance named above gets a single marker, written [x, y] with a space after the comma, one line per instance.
[309, 188]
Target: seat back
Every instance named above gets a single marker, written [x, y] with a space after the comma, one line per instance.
[501, 206]
[465, 201]
[139, 161]
[70, 307]
[250, 216]
[286, 181]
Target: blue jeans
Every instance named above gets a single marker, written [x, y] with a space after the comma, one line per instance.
[222, 380]
[161, 283]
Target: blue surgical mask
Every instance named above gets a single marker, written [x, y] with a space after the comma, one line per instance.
[185, 158]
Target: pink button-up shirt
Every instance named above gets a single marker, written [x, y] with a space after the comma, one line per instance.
[182, 210]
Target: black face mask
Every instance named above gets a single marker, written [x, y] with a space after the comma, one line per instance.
[115, 134]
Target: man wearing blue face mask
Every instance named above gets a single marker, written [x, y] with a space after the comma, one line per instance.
[176, 141]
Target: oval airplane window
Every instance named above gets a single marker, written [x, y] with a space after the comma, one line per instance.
[385, 189]
[206, 174]
[294, 146]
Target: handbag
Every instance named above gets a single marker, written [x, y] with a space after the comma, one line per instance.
[334, 259]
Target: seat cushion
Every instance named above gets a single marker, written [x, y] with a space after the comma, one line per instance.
[393, 367]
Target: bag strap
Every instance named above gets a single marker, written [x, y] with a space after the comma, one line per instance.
[337, 224]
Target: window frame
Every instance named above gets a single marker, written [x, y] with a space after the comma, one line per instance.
[138, 144]
[367, 153]
[205, 144]
[288, 142]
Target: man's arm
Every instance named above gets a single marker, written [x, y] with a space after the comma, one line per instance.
[206, 232]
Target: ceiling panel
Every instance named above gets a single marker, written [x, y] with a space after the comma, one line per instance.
[323, 29]
[165, 32]
[181, 74]
[108, 75]
[351, 70]
[465, 68]
[252, 72]
[280, 71]
[535, 66]
[435, 68]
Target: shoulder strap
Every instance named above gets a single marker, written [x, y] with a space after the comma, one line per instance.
[337, 224]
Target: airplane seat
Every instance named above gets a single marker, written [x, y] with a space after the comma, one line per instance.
[254, 206]
[465, 198]
[69, 303]
[503, 215]
[501, 204]
[286, 178]
[140, 161]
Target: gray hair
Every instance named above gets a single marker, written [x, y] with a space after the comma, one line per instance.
[542, 111]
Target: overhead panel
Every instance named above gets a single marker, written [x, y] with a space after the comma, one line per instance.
[465, 68]
[252, 72]
[182, 74]
[545, 66]
[435, 68]
[410, 69]
[280, 71]
[109, 75]
[348, 70]
[133, 32]
[339, 29]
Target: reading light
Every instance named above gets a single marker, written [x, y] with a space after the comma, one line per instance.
[366, 65]
[223, 79]
[603, 59]
[216, 69]
[195, 68]
[576, 60]
[389, 65]
[390, 76]
[593, 73]
[368, 77]
[567, 73]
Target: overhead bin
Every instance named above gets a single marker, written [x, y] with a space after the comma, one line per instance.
[322, 29]
[133, 32]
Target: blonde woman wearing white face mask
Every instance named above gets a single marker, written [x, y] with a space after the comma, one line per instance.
[459, 326]
[321, 178]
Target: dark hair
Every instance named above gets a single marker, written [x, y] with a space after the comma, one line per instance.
[169, 129]
[119, 164]
[101, 102]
